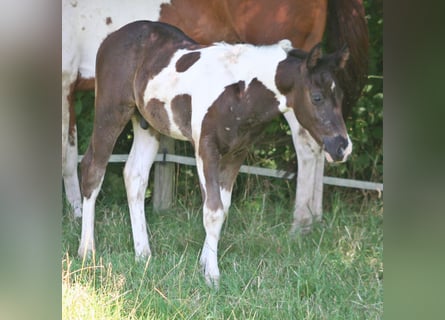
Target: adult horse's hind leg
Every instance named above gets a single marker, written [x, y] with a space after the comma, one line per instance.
[70, 176]
[70, 67]
[136, 173]
[69, 145]
[109, 121]
[309, 194]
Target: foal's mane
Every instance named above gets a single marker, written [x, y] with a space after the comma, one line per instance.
[298, 53]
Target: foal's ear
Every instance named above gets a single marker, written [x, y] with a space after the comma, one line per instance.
[313, 56]
[342, 56]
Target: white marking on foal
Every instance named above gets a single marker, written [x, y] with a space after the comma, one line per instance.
[86, 247]
[309, 192]
[286, 44]
[170, 83]
[348, 150]
[332, 86]
[136, 173]
[213, 221]
[328, 157]
[226, 198]
[283, 104]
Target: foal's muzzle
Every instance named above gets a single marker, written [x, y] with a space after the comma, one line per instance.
[337, 149]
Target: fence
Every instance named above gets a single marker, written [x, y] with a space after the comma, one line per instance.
[163, 192]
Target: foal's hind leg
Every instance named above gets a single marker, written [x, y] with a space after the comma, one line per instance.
[136, 173]
[108, 124]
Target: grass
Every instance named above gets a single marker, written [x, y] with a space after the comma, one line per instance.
[335, 272]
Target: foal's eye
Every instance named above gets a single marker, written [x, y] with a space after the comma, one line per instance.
[316, 97]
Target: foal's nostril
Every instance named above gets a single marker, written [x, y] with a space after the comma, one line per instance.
[335, 147]
[341, 147]
[340, 151]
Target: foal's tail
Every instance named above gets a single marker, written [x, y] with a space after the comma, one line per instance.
[346, 23]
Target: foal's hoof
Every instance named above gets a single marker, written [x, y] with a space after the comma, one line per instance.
[212, 281]
[77, 212]
[143, 257]
[211, 273]
[85, 253]
[211, 278]
[303, 226]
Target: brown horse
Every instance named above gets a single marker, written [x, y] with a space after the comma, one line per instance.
[86, 23]
[218, 97]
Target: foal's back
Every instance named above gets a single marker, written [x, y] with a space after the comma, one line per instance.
[123, 53]
[149, 65]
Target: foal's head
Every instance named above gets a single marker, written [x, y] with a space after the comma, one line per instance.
[309, 84]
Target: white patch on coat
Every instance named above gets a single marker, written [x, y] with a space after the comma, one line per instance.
[348, 150]
[332, 86]
[286, 44]
[136, 173]
[226, 198]
[219, 65]
[328, 157]
[70, 176]
[86, 247]
[87, 23]
[213, 221]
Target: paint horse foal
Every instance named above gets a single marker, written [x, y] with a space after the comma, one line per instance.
[86, 23]
[218, 97]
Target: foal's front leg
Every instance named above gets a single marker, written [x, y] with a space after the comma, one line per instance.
[309, 193]
[213, 216]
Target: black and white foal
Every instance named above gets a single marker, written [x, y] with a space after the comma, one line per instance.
[218, 97]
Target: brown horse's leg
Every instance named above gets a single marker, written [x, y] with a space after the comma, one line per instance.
[136, 173]
[109, 121]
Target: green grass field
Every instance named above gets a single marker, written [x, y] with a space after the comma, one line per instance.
[335, 272]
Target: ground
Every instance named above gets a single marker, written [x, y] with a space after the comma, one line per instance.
[335, 272]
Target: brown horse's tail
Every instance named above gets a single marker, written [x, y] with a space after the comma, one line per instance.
[346, 24]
